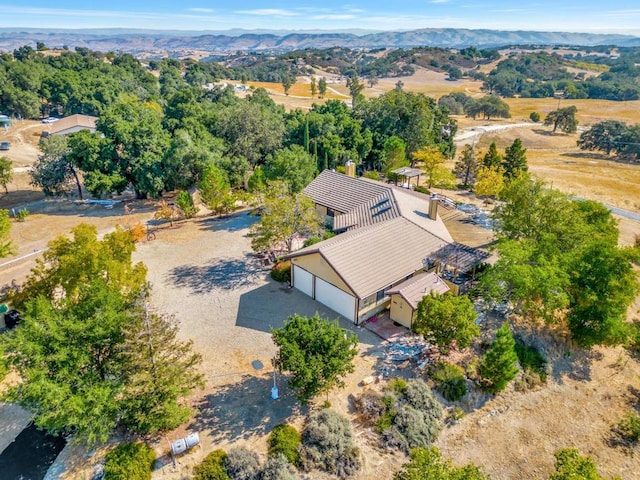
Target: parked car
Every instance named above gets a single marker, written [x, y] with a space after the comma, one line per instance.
[50, 119]
[5, 146]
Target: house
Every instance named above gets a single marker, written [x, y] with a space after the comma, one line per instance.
[406, 296]
[71, 124]
[387, 236]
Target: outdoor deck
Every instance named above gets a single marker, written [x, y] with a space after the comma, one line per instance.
[384, 327]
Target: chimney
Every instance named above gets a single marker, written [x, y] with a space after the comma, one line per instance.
[350, 169]
[433, 206]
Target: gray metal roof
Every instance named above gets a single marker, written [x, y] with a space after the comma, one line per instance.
[413, 289]
[341, 192]
[408, 172]
[375, 257]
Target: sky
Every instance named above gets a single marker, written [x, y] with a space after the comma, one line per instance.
[613, 16]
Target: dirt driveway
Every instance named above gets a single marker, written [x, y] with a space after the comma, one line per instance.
[204, 273]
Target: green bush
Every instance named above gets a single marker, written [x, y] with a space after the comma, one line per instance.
[629, 427]
[535, 117]
[129, 460]
[22, 214]
[531, 359]
[212, 467]
[372, 175]
[327, 444]
[398, 385]
[285, 440]
[185, 203]
[421, 189]
[449, 380]
[242, 464]
[281, 271]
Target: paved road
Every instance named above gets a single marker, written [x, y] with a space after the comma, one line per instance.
[474, 133]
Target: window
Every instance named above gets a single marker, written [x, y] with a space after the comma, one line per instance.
[380, 295]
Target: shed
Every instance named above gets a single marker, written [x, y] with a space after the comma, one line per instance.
[406, 296]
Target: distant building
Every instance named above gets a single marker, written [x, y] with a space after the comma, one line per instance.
[71, 124]
[5, 121]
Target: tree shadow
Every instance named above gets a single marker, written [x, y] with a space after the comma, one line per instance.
[243, 409]
[221, 273]
[574, 364]
[233, 222]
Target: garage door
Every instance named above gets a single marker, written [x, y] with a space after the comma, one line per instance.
[303, 280]
[335, 299]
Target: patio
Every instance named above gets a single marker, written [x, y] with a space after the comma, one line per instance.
[384, 327]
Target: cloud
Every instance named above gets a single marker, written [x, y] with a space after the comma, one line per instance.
[201, 10]
[276, 12]
[334, 17]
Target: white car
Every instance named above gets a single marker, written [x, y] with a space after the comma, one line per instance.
[50, 119]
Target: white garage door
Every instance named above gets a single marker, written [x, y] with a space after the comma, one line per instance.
[335, 299]
[303, 280]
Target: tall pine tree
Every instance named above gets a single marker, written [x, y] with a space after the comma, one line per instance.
[499, 364]
[492, 158]
[515, 160]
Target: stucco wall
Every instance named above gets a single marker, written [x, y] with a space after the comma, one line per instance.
[401, 311]
[315, 264]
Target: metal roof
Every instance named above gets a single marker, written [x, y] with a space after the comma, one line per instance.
[375, 257]
[72, 121]
[413, 289]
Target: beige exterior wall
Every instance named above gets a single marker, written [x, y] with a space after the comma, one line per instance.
[401, 311]
[315, 264]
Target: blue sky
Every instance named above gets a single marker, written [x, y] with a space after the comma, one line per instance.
[614, 16]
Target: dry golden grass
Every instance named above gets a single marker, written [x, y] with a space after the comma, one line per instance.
[297, 90]
[589, 111]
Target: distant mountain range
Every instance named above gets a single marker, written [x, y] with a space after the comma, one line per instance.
[150, 41]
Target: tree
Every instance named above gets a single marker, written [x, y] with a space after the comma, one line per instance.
[432, 161]
[603, 285]
[355, 88]
[489, 106]
[428, 464]
[570, 465]
[287, 81]
[165, 212]
[564, 118]
[467, 166]
[515, 159]
[6, 245]
[604, 136]
[159, 370]
[313, 86]
[322, 87]
[394, 155]
[499, 365]
[293, 166]
[492, 158]
[80, 315]
[446, 320]
[489, 182]
[54, 171]
[284, 217]
[214, 189]
[185, 204]
[317, 352]
[6, 172]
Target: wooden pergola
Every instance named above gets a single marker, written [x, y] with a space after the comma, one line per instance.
[408, 173]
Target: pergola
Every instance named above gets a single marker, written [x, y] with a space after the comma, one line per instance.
[457, 262]
[408, 173]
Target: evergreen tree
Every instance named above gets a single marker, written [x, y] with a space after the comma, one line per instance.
[322, 87]
[467, 166]
[313, 86]
[515, 160]
[492, 158]
[305, 140]
[499, 364]
[159, 370]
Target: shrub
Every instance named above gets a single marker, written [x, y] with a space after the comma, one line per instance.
[398, 385]
[22, 214]
[420, 397]
[419, 428]
[185, 204]
[281, 271]
[535, 117]
[372, 175]
[138, 232]
[278, 468]
[449, 380]
[370, 407]
[242, 464]
[498, 365]
[531, 359]
[629, 427]
[327, 444]
[421, 189]
[129, 460]
[212, 467]
[285, 440]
